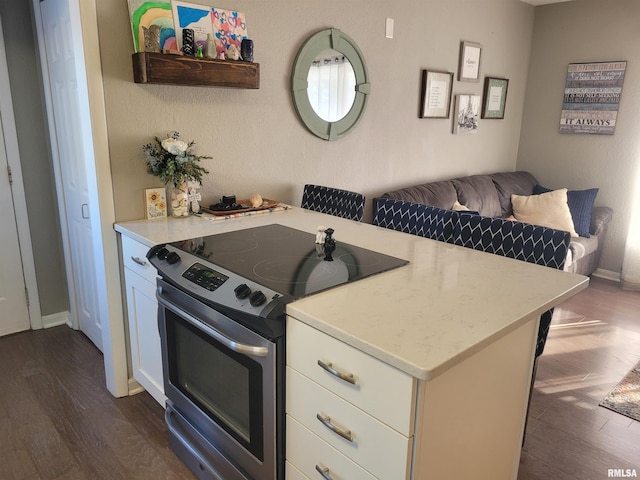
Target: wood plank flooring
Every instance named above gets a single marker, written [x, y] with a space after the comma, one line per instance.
[58, 421]
[594, 341]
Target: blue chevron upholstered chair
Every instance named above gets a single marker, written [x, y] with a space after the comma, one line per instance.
[341, 203]
[414, 218]
[522, 241]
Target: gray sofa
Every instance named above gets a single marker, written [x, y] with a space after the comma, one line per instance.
[490, 196]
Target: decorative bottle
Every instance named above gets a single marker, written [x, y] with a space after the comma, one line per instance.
[210, 47]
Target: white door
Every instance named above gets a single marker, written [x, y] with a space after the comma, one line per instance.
[14, 314]
[72, 145]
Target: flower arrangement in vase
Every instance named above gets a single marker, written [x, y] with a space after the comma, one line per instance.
[175, 163]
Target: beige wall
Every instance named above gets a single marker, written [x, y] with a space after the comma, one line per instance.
[585, 31]
[257, 142]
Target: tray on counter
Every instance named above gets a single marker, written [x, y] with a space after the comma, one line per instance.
[246, 207]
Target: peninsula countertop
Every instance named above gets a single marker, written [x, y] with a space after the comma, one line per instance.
[423, 318]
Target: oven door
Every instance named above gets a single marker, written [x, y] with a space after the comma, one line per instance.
[221, 378]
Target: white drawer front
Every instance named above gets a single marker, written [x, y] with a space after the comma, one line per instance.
[134, 256]
[307, 452]
[292, 473]
[374, 446]
[381, 390]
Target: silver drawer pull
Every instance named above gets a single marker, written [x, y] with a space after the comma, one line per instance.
[139, 261]
[324, 472]
[326, 421]
[347, 377]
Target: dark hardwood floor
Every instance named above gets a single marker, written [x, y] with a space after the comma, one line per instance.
[59, 422]
[594, 342]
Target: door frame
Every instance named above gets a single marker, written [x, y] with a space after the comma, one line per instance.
[17, 190]
[84, 18]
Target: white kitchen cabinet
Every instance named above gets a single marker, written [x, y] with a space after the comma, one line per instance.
[142, 312]
[362, 429]
[466, 422]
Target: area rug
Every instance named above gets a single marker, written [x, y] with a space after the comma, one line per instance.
[625, 397]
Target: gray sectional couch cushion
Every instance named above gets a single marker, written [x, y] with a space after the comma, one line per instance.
[490, 196]
[479, 194]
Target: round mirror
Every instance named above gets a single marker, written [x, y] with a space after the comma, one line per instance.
[330, 84]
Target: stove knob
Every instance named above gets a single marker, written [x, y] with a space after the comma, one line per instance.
[162, 253]
[257, 298]
[242, 291]
[172, 258]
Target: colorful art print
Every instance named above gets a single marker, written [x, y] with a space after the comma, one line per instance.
[230, 27]
[467, 113]
[147, 15]
[592, 97]
[155, 203]
[195, 17]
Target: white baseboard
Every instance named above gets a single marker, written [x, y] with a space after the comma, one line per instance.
[56, 319]
[607, 275]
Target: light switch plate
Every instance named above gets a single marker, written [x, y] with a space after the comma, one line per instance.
[389, 28]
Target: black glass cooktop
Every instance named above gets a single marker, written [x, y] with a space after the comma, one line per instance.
[288, 260]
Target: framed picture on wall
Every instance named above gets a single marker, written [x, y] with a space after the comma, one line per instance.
[435, 95]
[467, 112]
[495, 97]
[469, 68]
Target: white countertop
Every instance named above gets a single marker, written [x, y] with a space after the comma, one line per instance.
[448, 303]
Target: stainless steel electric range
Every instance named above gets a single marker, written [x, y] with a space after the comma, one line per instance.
[221, 319]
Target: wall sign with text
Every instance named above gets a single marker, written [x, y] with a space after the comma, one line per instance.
[591, 97]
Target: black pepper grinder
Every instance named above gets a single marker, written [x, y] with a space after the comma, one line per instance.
[329, 245]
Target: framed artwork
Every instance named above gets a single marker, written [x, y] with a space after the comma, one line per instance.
[155, 202]
[435, 96]
[495, 97]
[152, 25]
[229, 28]
[591, 97]
[469, 68]
[467, 112]
[193, 16]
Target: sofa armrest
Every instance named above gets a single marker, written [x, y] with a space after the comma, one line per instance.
[600, 217]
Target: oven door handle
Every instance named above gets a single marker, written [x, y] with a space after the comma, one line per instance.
[241, 348]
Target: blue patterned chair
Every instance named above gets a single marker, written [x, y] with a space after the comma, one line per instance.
[414, 218]
[341, 203]
[522, 241]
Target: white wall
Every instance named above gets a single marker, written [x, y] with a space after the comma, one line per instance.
[573, 32]
[257, 142]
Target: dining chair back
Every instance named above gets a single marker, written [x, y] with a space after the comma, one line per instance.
[333, 201]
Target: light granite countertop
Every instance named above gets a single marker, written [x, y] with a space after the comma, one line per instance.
[448, 303]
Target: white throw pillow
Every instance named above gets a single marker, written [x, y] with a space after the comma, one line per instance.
[547, 209]
[458, 207]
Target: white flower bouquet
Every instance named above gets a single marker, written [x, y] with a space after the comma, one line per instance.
[173, 160]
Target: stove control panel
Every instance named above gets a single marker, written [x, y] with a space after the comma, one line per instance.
[210, 282]
[205, 277]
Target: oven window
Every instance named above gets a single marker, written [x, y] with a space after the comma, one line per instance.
[226, 385]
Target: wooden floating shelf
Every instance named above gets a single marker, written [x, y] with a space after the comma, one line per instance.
[167, 69]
